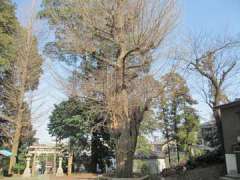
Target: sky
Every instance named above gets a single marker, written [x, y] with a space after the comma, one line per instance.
[215, 17]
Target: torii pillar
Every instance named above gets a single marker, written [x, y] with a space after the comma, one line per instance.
[27, 171]
[60, 169]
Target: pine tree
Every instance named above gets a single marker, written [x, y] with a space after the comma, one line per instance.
[174, 111]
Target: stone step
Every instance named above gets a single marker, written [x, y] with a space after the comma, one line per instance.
[225, 178]
[230, 177]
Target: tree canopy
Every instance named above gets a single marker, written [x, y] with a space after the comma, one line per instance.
[74, 120]
[71, 118]
[178, 118]
[20, 70]
[8, 29]
[121, 36]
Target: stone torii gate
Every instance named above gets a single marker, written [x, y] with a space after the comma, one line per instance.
[35, 151]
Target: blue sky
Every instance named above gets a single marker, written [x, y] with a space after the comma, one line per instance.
[216, 17]
[213, 16]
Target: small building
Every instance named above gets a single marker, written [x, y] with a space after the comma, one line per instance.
[207, 132]
[230, 119]
[208, 137]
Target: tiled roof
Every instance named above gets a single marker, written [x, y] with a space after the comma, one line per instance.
[229, 105]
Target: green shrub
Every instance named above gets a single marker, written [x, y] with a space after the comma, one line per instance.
[207, 159]
[4, 162]
[145, 170]
[19, 168]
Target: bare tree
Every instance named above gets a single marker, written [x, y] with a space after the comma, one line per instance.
[215, 60]
[120, 36]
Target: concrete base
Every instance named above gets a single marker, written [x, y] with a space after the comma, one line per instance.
[59, 172]
[27, 172]
[230, 177]
[231, 164]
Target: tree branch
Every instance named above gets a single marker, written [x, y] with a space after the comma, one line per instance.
[225, 73]
[6, 118]
[106, 61]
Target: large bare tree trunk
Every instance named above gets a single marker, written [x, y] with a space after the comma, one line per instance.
[125, 149]
[217, 116]
[127, 140]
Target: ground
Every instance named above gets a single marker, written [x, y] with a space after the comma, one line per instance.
[208, 173]
[49, 177]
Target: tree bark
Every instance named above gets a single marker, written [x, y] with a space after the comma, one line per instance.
[217, 116]
[16, 140]
[125, 149]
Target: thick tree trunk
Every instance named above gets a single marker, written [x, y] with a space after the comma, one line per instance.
[129, 120]
[19, 113]
[18, 127]
[217, 116]
[125, 149]
[15, 144]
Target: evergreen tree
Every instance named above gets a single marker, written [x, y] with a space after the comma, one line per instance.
[176, 112]
[188, 132]
[8, 28]
[74, 120]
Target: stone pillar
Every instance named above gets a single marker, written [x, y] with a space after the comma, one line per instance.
[34, 164]
[37, 167]
[54, 163]
[27, 171]
[70, 161]
[60, 170]
[46, 165]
